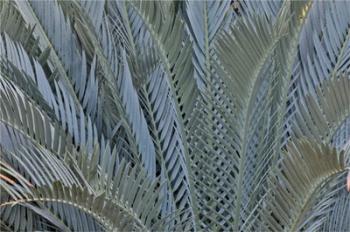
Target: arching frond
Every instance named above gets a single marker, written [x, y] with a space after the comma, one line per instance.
[302, 171]
[174, 115]
[321, 115]
[131, 196]
[243, 62]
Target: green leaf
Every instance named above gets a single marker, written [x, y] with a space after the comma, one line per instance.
[320, 116]
[138, 209]
[302, 171]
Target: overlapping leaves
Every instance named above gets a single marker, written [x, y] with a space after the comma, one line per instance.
[161, 115]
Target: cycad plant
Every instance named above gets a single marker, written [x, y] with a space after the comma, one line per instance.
[174, 115]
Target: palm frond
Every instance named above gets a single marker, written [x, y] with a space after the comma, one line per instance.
[125, 199]
[302, 171]
[204, 20]
[176, 68]
[326, 119]
[267, 8]
[30, 121]
[331, 201]
[121, 87]
[173, 52]
[327, 112]
[169, 115]
[40, 168]
[11, 216]
[328, 55]
[266, 42]
[62, 56]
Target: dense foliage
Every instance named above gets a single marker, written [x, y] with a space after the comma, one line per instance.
[174, 115]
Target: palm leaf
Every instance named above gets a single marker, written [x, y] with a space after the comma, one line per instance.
[64, 50]
[293, 181]
[327, 55]
[131, 113]
[268, 8]
[151, 115]
[330, 201]
[266, 41]
[330, 112]
[30, 121]
[124, 198]
[89, 101]
[176, 67]
[326, 113]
